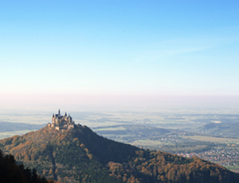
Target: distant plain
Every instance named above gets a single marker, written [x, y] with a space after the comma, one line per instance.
[175, 131]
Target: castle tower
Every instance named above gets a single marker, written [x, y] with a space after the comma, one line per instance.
[53, 119]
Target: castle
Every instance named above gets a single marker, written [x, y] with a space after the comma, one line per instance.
[60, 122]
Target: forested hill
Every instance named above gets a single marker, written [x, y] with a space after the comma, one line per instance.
[80, 155]
[10, 172]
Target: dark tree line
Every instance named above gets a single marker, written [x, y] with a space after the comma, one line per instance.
[10, 172]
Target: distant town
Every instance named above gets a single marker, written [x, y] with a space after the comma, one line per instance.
[228, 156]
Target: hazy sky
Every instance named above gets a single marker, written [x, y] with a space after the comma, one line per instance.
[119, 47]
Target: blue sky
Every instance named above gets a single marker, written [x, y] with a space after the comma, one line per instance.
[119, 47]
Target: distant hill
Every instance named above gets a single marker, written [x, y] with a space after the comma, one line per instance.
[80, 155]
[221, 129]
[130, 133]
[8, 126]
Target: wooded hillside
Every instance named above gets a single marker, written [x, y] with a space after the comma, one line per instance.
[80, 155]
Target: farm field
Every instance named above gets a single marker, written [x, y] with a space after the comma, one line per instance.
[146, 142]
[213, 139]
[12, 133]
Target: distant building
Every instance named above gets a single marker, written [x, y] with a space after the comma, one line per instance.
[60, 122]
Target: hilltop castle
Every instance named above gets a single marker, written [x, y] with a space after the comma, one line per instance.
[60, 122]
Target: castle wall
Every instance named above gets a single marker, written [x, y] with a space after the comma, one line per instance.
[57, 128]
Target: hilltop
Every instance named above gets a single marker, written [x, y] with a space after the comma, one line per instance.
[80, 155]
